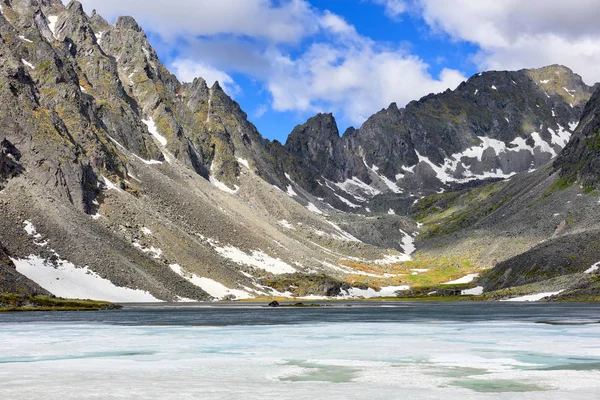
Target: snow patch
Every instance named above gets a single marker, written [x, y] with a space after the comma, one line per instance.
[256, 258]
[156, 252]
[68, 281]
[23, 38]
[290, 191]
[593, 268]
[346, 201]
[52, 24]
[311, 207]
[286, 224]
[351, 186]
[465, 279]
[408, 243]
[476, 291]
[27, 63]
[243, 162]
[210, 286]
[573, 125]
[111, 186]
[387, 291]
[154, 131]
[534, 297]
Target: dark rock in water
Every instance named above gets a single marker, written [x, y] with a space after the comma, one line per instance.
[274, 303]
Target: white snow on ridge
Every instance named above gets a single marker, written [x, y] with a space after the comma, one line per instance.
[311, 207]
[345, 235]
[285, 224]
[111, 186]
[290, 191]
[391, 185]
[154, 131]
[23, 38]
[210, 286]
[256, 258]
[52, 24]
[408, 243]
[243, 162]
[569, 91]
[346, 201]
[542, 145]
[534, 297]
[71, 282]
[388, 291]
[593, 268]
[147, 162]
[27, 63]
[465, 279]
[476, 291]
[355, 184]
[445, 172]
[30, 229]
[223, 187]
[573, 125]
[561, 137]
[156, 252]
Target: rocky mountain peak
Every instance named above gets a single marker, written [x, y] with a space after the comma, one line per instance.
[127, 23]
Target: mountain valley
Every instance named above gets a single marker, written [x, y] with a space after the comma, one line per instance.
[120, 183]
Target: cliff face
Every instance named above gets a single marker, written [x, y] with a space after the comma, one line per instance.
[580, 160]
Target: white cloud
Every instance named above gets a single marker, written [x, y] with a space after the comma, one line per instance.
[341, 71]
[516, 34]
[279, 22]
[393, 8]
[187, 70]
[353, 77]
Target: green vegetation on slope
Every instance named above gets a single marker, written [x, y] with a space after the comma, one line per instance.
[18, 302]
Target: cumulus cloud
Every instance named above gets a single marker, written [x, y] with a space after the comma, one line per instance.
[340, 71]
[393, 8]
[353, 79]
[276, 21]
[186, 70]
[516, 34]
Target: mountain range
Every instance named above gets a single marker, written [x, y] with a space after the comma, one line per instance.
[119, 182]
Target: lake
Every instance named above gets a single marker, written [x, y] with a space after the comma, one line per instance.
[348, 350]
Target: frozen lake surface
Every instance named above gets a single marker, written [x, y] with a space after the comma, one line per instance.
[380, 351]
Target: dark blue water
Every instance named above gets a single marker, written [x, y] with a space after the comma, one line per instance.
[214, 314]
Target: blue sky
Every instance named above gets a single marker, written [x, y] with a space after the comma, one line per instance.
[286, 60]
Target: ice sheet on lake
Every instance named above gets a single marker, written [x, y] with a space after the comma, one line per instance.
[329, 360]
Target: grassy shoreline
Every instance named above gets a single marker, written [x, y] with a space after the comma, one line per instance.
[10, 302]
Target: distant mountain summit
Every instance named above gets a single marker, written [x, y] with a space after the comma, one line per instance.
[494, 125]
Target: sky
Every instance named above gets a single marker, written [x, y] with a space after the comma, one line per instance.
[286, 60]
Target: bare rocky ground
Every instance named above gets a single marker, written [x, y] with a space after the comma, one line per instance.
[185, 217]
